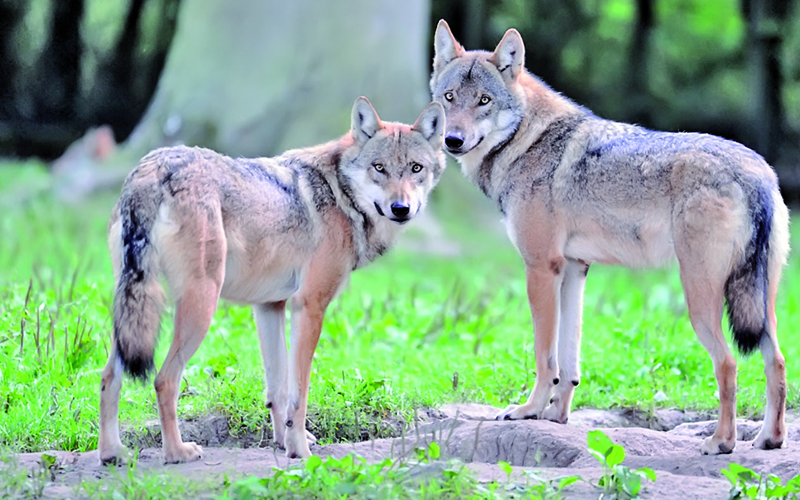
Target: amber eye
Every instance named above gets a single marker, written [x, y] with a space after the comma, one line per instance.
[378, 167]
[448, 96]
[416, 168]
[485, 100]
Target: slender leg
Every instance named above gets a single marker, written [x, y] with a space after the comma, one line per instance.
[198, 295]
[192, 319]
[704, 299]
[271, 325]
[569, 341]
[109, 446]
[544, 295]
[326, 273]
[773, 432]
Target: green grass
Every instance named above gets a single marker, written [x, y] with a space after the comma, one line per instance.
[396, 341]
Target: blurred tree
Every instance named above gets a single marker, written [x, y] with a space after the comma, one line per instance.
[56, 80]
[256, 77]
[639, 106]
[58, 67]
[766, 28]
[11, 12]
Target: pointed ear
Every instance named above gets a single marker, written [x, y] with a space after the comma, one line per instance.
[509, 56]
[445, 46]
[365, 121]
[431, 125]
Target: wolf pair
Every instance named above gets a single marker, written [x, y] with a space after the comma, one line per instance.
[574, 189]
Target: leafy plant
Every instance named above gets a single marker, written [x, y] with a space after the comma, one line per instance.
[618, 481]
[746, 483]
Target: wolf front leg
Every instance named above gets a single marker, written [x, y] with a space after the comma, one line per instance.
[271, 326]
[544, 295]
[323, 279]
[569, 341]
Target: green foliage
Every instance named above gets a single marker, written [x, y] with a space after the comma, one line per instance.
[424, 477]
[746, 483]
[618, 481]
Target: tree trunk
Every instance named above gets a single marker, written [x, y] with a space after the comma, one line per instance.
[113, 99]
[59, 72]
[764, 20]
[638, 93]
[257, 77]
[11, 13]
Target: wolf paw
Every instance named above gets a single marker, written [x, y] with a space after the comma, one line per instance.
[555, 413]
[714, 445]
[117, 455]
[769, 440]
[185, 452]
[519, 412]
[298, 442]
[310, 438]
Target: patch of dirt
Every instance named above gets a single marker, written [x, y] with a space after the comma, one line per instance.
[465, 432]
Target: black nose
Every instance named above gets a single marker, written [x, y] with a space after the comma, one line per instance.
[453, 140]
[400, 209]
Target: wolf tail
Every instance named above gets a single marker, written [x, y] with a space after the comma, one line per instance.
[747, 287]
[139, 296]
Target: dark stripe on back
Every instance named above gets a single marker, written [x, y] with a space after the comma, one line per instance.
[256, 171]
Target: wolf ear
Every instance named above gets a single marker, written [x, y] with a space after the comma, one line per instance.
[445, 46]
[509, 56]
[365, 121]
[431, 125]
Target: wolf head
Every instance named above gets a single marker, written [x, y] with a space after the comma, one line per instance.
[392, 167]
[479, 90]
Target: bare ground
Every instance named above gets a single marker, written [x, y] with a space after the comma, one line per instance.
[669, 445]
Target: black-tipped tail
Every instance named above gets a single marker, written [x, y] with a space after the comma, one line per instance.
[139, 296]
[746, 287]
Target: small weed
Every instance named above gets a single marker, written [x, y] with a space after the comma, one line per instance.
[618, 481]
[746, 483]
[18, 482]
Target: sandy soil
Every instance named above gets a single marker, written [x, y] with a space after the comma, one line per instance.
[670, 447]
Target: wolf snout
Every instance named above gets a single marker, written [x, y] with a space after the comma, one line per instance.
[453, 141]
[400, 209]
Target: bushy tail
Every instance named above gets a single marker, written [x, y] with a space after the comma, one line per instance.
[139, 297]
[747, 286]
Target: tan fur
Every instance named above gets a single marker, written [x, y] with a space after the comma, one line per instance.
[266, 232]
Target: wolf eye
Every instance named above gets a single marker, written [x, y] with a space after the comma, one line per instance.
[485, 100]
[416, 168]
[448, 96]
[378, 167]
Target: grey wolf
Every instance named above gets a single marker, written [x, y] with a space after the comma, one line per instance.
[576, 189]
[265, 232]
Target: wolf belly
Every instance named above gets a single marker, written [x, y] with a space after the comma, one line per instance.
[645, 243]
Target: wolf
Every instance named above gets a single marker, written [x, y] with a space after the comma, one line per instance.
[263, 232]
[575, 189]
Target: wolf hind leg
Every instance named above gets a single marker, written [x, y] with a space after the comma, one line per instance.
[109, 446]
[569, 341]
[773, 432]
[544, 295]
[203, 242]
[704, 298]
